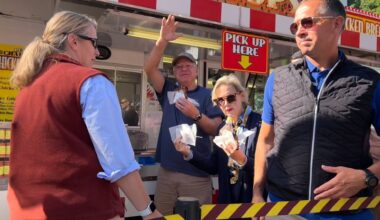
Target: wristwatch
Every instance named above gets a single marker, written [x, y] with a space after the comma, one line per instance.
[198, 117]
[370, 179]
[148, 210]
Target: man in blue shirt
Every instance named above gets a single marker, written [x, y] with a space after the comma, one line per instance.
[317, 114]
[176, 176]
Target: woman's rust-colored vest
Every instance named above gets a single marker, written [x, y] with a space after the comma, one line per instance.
[53, 164]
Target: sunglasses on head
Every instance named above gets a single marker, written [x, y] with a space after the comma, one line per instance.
[94, 41]
[307, 23]
[221, 100]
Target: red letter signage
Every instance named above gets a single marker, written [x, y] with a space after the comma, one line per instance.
[245, 52]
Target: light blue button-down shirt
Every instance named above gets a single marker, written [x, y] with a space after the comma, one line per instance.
[102, 115]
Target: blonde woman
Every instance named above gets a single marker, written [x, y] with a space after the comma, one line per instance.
[233, 165]
[65, 163]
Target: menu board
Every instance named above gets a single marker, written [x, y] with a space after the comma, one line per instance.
[9, 56]
[5, 139]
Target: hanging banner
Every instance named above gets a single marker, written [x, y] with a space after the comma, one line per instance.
[9, 55]
[245, 52]
[282, 7]
[363, 22]
[358, 20]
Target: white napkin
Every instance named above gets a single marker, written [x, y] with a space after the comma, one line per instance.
[242, 136]
[223, 140]
[173, 96]
[186, 132]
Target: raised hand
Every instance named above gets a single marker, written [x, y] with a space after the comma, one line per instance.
[168, 29]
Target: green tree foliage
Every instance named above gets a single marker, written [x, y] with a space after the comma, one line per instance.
[366, 5]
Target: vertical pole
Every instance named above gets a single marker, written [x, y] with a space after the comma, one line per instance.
[188, 208]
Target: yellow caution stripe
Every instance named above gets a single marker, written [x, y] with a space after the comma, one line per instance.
[171, 217]
[248, 210]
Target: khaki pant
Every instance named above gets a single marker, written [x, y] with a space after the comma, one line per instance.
[171, 185]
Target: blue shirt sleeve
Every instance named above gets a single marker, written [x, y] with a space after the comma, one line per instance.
[268, 115]
[376, 109]
[102, 116]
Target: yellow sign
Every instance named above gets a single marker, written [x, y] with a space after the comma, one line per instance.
[357, 20]
[362, 24]
[5, 150]
[282, 7]
[9, 55]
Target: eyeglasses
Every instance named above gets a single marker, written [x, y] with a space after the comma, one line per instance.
[185, 66]
[307, 23]
[230, 99]
[94, 41]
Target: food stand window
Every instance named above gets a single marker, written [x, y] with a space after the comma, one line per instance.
[128, 86]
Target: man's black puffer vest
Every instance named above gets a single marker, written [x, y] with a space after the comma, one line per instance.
[343, 121]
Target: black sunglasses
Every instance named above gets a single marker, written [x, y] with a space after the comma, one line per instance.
[230, 99]
[94, 41]
[307, 23]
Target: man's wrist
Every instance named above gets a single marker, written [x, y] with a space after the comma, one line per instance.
[371, 179]
[258, 189]
[198, 117]
[161, 42]
[189, 156]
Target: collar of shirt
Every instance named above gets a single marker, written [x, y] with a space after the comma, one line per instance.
[317, 76]
[244, 116]
[243, 120]
[313, 69]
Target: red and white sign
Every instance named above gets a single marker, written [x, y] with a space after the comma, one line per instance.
[245, 52]
[229, 15]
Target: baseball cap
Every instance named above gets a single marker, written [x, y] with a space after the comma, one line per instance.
[183, 55]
